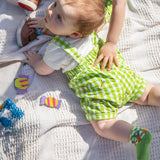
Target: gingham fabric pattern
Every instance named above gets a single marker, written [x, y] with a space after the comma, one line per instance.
[108, 9]
[101, 92]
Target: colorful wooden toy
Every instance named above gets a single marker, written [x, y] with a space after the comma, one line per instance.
[50, 102]
[21, 83]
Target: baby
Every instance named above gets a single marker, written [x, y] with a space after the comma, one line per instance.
[74, 49]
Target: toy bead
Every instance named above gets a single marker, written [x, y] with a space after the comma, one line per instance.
[6, 122]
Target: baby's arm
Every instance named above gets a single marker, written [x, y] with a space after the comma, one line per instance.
[108, 51]
[36, 61]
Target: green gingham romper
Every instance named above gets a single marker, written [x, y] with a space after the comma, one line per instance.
[101, 92]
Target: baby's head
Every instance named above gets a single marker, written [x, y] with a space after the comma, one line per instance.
[75, 18]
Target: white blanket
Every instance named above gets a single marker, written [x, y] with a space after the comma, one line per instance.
[64, 134]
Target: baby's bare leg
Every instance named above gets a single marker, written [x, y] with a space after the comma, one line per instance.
[154, 96]
[151, 96]
[117, 130]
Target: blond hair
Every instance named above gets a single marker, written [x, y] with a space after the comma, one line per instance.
[91, 15]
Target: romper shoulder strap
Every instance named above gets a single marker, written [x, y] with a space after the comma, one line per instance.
[66, 46]
[108, 10]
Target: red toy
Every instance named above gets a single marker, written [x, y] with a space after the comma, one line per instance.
[30, 5]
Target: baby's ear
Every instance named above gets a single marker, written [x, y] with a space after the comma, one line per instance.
[76, 35]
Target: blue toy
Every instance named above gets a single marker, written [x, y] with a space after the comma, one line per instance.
[9, 112]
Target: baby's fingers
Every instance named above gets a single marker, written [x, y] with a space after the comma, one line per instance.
[27, 54]
[24, 61]
[100, 57]
[116, 61]
[110, 61]
[33, 20]
[33, 24]
[104, 63]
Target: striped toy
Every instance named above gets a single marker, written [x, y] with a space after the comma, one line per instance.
[50, 102]
[21, 83]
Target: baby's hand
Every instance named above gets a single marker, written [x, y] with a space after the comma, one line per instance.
[32, 58]
[108, 54]
[37, 23]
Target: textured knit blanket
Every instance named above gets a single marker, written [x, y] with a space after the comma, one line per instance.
[45, 133]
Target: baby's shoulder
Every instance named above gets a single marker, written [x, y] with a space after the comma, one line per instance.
[61, 41]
